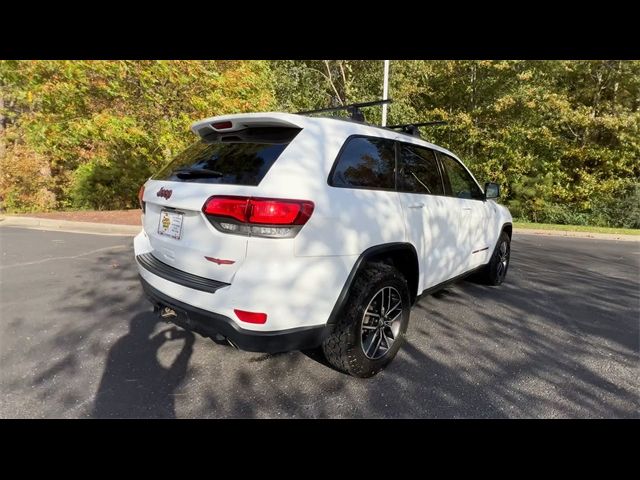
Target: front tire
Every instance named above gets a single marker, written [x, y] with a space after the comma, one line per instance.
[373, 324]
[496, 270]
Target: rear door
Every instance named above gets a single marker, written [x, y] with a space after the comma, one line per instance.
[430, 226]
[219, 164]
[466, 200]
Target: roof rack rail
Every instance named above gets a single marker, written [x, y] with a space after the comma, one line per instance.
[412, 128]
[353, 109]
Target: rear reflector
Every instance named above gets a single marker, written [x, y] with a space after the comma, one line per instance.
[265, 217]
[251, 317]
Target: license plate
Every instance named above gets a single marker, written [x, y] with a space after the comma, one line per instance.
[170, 224]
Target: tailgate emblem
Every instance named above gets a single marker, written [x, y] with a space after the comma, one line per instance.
[164, 193]
[219, 261]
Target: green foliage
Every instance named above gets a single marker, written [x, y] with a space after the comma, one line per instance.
[562, 137]
[99, 128]
[575, 228]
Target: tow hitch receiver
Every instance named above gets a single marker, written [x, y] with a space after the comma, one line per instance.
[168, 313]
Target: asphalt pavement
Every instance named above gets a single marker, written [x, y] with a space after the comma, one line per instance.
[559, 339]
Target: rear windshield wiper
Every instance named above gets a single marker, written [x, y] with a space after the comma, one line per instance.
[197, 172]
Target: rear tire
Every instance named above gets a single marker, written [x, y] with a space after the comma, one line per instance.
[372, 326]
[495, 271]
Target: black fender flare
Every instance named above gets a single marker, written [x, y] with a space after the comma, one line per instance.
[502, 229]
[359, 264]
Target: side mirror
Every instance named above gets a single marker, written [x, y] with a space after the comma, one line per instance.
[491, 190]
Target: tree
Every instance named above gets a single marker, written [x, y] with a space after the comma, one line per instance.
[562, 137]
[97, 129]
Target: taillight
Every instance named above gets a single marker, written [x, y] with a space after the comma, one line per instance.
[231, 207]
[263, 217]
[140, 195]
[280, 212]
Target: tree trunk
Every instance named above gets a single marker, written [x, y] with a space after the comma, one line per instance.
[595, 104]
[474, 77]
[2, 126]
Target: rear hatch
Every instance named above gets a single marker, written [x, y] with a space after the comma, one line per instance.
[231, 160]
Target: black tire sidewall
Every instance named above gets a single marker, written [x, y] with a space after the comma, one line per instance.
[494, 279]
[363, 366]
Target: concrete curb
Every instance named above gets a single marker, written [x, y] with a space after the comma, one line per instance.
[69, 226]
[113, 229]
[567, 233]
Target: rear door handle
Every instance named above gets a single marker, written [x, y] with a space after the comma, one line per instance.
[416, 205]
[467, 209]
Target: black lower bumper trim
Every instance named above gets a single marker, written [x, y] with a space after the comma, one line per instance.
[155, 266]
[209, 324]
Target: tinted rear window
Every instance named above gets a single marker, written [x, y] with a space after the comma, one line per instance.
[237, 158]
[365, 163]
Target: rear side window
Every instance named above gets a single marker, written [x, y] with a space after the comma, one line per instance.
[418, 171]
[460, 182]
[365, 162]
[237, 158]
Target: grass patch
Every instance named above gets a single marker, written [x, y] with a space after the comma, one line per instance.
[577, 228]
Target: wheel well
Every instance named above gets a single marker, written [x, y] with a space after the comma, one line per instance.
[509, 229]
[404, 259]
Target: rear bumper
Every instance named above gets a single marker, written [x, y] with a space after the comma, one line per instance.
[209, 324]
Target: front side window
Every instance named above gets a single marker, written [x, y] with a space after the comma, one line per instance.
[461, 184]
[418, 171]
[365, 163]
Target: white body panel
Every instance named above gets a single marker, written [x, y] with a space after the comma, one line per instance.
[297, 281]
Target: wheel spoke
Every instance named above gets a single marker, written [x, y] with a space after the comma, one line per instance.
[377, 344]
[392, 309]
[380, 304]
[369, 327]
[389, 335]
[387, 340]
[372, 341]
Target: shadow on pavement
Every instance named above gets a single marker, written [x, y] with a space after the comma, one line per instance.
[558, 339]
[134, 383]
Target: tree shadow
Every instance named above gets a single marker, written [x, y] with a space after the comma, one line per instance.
[134, 383]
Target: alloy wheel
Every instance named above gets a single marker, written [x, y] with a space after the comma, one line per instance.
[381, 323]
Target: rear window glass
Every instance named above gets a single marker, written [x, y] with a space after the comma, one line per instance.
[366, 163]
[237, 158]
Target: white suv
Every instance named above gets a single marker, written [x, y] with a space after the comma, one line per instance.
[278, 232]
